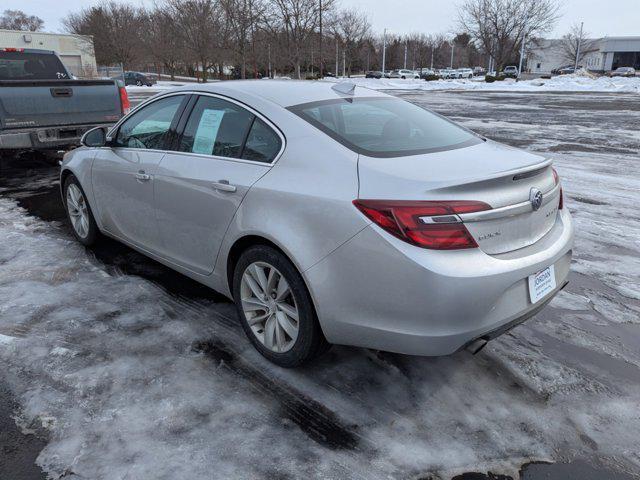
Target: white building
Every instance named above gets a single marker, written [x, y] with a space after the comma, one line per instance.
[75, 51]
[607, 54]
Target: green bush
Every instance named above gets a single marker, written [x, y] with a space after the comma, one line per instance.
[489, 78]
[430, 78]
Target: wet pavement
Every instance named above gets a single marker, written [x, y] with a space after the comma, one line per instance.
[558, 393]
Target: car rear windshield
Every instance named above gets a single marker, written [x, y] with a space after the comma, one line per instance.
[30, 66]
[384, 127]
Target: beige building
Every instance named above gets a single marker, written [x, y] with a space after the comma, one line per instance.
[75, 51]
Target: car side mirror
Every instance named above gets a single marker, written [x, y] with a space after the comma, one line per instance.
[96, 137]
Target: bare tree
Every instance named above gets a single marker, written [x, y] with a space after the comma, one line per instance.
[115, 28]
[18, 20]
[242, 17]
[577, 44]
[161, 39]
[499, 26]
[351, 26]
[297, 20]
[198, 25]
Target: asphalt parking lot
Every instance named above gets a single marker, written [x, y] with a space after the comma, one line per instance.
[117, 367]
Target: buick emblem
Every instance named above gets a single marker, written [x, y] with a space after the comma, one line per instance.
[535, 197]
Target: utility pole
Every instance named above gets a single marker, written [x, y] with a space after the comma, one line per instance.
[405, 54]
[320, 12]
[384, 49]
[579, 45]
[269, 60]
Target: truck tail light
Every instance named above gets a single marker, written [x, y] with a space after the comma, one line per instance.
[124, 101]
[427, 224]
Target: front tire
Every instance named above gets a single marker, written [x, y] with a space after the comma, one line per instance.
[275, 308]
[79, 213]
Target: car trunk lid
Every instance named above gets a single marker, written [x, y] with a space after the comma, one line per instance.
[503, 177]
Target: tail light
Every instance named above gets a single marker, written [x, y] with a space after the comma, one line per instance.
[426, 224]
[556, 180]
[124, 101]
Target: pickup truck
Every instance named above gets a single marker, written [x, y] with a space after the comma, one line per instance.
[43, 107]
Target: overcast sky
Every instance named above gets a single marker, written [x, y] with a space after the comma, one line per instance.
[601, 17]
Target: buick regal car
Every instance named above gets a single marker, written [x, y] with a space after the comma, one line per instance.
[330, 214]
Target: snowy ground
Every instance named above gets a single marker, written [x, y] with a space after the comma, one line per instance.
[563, 83]
[131, 371]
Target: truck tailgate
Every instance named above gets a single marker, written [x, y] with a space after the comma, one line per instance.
[42, 103]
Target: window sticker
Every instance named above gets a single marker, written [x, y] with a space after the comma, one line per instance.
[207, 131]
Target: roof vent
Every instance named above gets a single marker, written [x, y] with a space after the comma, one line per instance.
[345, 87]
[27, 38]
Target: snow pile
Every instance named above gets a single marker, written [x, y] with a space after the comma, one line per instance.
[160, 86]
[562, 83]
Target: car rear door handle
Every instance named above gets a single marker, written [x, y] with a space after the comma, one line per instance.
[223, 186]
[143, 177]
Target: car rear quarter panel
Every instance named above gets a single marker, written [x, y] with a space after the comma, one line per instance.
[304, 203]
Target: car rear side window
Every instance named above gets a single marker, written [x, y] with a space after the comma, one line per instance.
[262, 144]
[384, 127]
[148, 127]
[30, 66]
[216, 127]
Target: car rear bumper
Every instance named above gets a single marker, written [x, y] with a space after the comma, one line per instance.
[45, 138]
[376, 291]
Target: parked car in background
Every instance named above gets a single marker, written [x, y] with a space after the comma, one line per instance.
[448, 73]
[556, 71]
[329, 214]
[139, 79]
[427, 72]
[624, 72]
[404, 73]
[510, 72]
[479, 71]
[464, 73]
[568, 70]
[373, 74]
[43, 108]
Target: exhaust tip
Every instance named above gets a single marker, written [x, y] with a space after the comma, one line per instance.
[476, 345]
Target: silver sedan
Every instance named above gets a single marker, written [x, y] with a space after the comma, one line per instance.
[331, 214]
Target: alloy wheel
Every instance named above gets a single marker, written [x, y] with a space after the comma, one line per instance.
[269, 307]
[78, 211]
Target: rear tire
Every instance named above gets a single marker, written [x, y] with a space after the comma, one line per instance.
[79, 214]
[279, 318]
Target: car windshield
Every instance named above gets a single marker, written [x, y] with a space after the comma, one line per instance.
[30, 66]
[384, 127]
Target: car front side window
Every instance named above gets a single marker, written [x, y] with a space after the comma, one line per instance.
[148, 128]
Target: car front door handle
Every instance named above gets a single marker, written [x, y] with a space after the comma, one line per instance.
[223, 186]
[143, 177]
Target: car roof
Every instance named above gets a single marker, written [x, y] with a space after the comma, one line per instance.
[282, 92]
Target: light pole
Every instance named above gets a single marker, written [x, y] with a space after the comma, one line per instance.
[432, 57]
[524, 38]
[320, 13]
[405, 54]
[336, 57]
[579, 45]
[452, 47]
[384, 49]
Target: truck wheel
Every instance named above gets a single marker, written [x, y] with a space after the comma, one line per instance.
[83, 225]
